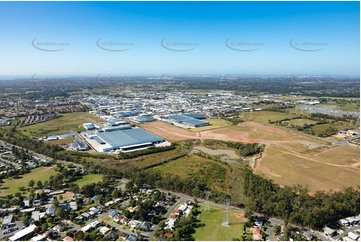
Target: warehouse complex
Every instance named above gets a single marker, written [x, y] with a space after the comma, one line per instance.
[126, 139]
[187, 120]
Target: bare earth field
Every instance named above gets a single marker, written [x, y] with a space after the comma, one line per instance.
[168, 131]
[290, 157]
[335, 168]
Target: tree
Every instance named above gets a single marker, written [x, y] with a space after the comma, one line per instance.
[55, 202]
[277, 229]
[44, 227]
[31, 183]
[39, 184]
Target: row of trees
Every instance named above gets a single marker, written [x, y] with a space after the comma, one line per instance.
[242, 148]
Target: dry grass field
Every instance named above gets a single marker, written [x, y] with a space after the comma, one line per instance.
[169, 132]
[334, 168]
[64, 124]
[204, 170]
[290, 157]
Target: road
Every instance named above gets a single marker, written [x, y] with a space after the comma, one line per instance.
[43, 156]
[346, 232]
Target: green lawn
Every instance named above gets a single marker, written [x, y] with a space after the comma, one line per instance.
[64, 124]
[213, 229]
[88, 179]
[11, 186]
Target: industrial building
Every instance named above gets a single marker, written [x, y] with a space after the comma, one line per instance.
[78, 145]
[187, 120]
[143, 119]
[123, 140]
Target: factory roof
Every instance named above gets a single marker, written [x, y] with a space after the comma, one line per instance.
[128, 137]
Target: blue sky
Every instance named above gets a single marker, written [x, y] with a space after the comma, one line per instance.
[198, 38]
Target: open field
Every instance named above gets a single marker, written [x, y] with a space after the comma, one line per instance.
[88, 179]
[64, 124]
[264, 116]
[214, 124]
[334, 168]
[145, 160]
[230, 153]
[300, 122]
[169, 132]
[201, 169]
[337, 125]
[213, 229]
[249, 132]
[11, 186]
[61, 141]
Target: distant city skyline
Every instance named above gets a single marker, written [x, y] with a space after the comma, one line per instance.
[50, 39]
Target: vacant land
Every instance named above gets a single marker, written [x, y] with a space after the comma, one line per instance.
[88, 179]
[64, 124]
[249, 132]
[334, 168]
[214, 124]
[62, 141]
[298, 122]
[145, 160]
[222, 152]
[266, 116]
[11, 186]
[213, 229]
[345, 104]
[207, 171]
[169, 132]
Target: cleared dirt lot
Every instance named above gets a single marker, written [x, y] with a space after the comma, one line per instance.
[290, 157]
[247, 132]
[320, 171]
[168, 131]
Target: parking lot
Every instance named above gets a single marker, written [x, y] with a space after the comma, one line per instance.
[10, 230]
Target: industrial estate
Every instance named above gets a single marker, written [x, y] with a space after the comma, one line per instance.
[253, 135]
[136, 164]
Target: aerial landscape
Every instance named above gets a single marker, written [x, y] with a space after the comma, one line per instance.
[180, 121]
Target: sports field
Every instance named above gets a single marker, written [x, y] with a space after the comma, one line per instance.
[11, 186]
[88, 179]
[213, 229]
[64, 124]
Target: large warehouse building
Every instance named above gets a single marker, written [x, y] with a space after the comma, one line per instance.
[187, 120]
[124, 140]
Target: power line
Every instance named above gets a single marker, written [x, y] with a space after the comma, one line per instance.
[206, 207]
[225, 222]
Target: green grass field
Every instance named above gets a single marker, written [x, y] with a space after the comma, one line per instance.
[210, 172]
[214, 124]
[64, 124]
[300, 122]
[213, 229]
[88, 179]
[264, 116]
[11, 186]
[349, 104]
